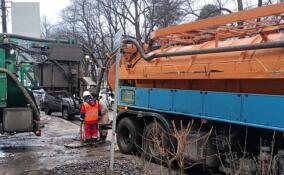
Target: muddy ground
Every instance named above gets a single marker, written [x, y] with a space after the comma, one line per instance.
[28, 154]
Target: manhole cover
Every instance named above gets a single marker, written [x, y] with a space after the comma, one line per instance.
[74, 145]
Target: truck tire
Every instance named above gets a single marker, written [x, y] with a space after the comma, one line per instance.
[127, 136]
[41, 107]
[65, 113]
[47, 111]
[156, 138]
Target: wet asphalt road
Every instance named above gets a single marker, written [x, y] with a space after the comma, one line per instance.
[26, 153]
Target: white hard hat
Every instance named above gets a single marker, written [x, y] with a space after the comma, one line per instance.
[86, 93]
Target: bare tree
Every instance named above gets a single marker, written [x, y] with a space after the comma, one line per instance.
[129, 12]
[167, 12]
[140, 17]
[93, 26]
[202, 11]
[46, 28]
[209, 10]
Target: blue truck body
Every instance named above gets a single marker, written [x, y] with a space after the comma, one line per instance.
[256, 110]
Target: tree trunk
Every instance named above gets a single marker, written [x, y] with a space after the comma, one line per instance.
[240, 8]
[259, 4]
[137, 21]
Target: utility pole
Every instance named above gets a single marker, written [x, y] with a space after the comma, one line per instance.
[117, 45]
[4, 16]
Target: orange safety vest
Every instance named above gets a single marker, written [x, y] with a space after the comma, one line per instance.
[92, 112]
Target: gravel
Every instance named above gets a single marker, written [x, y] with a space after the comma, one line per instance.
[98, 167]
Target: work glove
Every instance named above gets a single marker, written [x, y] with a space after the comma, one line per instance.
[82, 117]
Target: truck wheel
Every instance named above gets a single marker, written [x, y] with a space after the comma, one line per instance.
[41, 106]
[65, 113]
[127, 136]
[157, 143]
[47, 111]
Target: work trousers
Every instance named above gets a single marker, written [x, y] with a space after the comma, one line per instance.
[91, 129]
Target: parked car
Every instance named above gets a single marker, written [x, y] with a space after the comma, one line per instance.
[61, 102]
[39, 95]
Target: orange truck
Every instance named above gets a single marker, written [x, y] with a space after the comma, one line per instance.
[224, 75]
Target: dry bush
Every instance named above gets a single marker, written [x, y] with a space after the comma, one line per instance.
[231, 161]
[164, 142]
[245, 163]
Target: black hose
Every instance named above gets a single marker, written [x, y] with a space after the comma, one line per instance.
[266, 45]
[24, 91]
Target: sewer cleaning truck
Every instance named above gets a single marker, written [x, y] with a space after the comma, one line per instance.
[224, 75]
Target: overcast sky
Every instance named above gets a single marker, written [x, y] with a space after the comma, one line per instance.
[49, 8]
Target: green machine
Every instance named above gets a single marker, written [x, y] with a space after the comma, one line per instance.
[20, 57]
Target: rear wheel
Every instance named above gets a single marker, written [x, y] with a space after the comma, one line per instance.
[47, 111]
[65, 113]
[127, 136]
[157, 143]
[41, 106]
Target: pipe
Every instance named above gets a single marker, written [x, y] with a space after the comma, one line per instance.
[266, 45]
[99, 82]
[35, 39]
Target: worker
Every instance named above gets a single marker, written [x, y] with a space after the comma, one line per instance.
[90, 112]
[103, 120]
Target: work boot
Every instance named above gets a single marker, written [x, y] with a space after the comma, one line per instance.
[103, 139]
[95, 139]
[94, 142]
[88, 141]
